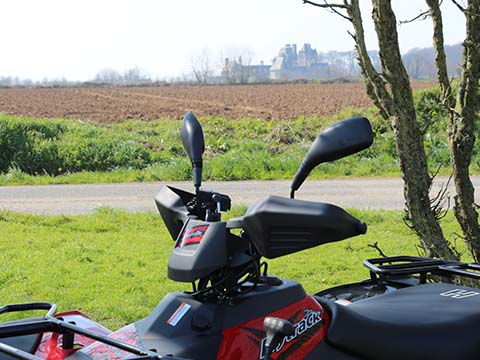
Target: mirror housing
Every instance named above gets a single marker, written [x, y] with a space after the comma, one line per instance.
[334, 142]
[193, 142]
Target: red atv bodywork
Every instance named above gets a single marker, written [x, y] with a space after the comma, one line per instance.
[50, 346]
[245, 340]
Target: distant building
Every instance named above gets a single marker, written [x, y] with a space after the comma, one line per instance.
[305, 64]
[308, 63]
[235, 72]
[260, 72]
[287, 65]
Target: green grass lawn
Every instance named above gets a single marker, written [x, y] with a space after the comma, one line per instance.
[112, 265]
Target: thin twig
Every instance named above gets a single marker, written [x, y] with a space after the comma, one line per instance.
[422, 16]
[440, 203]
[338, 12]
[420, 250]
[435, 174]
[376, 247]
[407, 220]
[445, 101]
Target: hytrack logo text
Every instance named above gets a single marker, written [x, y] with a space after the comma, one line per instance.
[309, 320]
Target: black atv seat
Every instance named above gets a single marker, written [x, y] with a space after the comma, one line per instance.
[431, 321]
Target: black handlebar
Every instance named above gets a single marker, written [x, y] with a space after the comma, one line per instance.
[52, 308]
[208, 205]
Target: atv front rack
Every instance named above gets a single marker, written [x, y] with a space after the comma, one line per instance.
[398, 266]
[48, 323]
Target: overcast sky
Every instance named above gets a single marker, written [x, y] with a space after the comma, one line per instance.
[77, 38]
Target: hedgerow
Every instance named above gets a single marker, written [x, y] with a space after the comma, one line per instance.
[234, 149]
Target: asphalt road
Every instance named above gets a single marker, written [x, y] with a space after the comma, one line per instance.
[364, 193]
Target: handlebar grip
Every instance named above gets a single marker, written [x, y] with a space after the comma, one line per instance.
[362, 227]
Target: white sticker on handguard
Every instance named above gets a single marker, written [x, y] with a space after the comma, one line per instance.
[178, 314]
[344, 302]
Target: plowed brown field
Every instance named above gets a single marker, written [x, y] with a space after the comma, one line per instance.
[233, 102]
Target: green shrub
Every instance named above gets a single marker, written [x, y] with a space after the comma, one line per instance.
[55, 146]
[24, 142]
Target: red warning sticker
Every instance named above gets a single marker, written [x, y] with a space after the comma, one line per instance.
[192, 236]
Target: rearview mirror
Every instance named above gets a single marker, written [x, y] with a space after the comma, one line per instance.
[192, 139]
[334, 142]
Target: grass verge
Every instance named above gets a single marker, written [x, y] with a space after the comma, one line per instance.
[112, 265]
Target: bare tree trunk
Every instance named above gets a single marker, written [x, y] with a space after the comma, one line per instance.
[440, 57]
[462, 116]
[392, 94]
[400, 109]
[407, 135]
[461, 132]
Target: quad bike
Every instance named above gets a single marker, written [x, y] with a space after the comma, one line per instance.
[236, 310]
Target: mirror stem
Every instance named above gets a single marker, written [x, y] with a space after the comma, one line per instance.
[300, 176]
[197, 174]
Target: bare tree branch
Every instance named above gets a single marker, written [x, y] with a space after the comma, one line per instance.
[345, 6]
[332, 7]
[422, 16]
[462, 9]
[375, 83]
[447, 96]
[326, 5]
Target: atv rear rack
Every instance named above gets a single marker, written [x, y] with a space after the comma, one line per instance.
[48, 323]
[397, 266]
